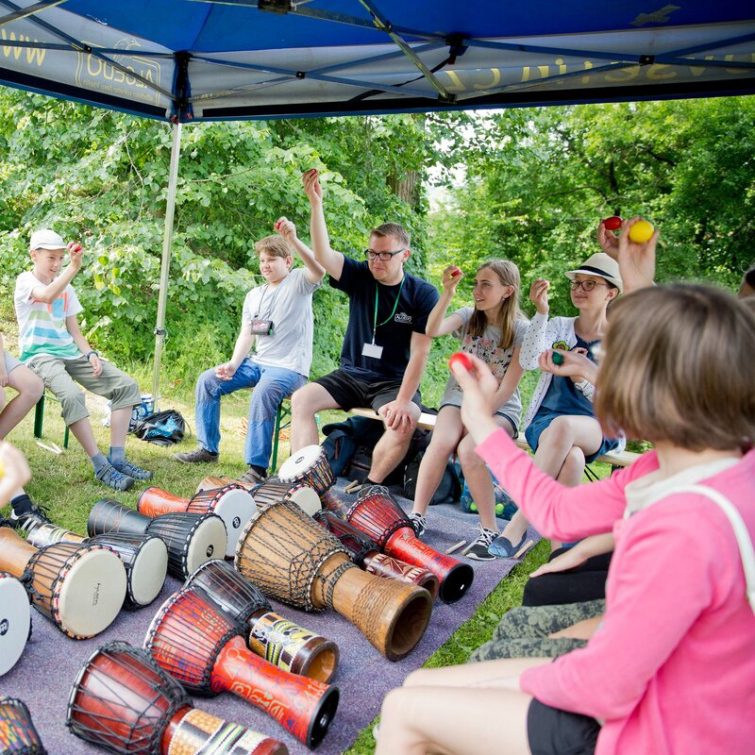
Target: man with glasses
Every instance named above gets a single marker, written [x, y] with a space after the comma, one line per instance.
[385, 348]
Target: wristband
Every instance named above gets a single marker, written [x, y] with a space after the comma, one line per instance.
[96, 353]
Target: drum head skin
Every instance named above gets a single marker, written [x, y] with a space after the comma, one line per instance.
[235, 508]
[15, 622]
[92, 593]
[307, 500]
[148, 571]
[209, 541]
[303, 460]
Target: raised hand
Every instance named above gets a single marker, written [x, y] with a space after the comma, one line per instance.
[312, 188]
[539, 295]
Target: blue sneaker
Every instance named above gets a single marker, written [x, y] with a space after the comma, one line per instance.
[131, 470]
[110, 476]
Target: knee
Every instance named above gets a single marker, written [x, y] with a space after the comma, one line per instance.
[440, 447]
[468, 458]
[417, 678]
[33, 387]
[300, 402]
[208, 383]
[574, 463]
[557, 433]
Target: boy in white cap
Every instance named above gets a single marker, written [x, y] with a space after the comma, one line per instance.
[52, 346]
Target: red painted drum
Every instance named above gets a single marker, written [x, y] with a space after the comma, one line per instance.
[272, 637]
[380, 517]
[203, 648]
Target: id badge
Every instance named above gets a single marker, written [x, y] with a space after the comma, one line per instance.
[372, 350]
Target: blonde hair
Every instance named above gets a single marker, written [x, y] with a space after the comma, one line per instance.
[508, 274]
[394, 230]
[679, 367]
[275, 246]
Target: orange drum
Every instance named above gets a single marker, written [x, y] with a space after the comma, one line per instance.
[303, 495]
[232, 503]
[15, 621]
[291, 558]
[80, 587]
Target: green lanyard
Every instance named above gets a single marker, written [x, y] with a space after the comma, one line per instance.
[375, 324]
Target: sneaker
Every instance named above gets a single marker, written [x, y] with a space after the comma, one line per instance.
[110, 476]
[252, 477]
[198, 455]
[367, 489]
[34, 512]
[131, 470]
[419, 522]
[478, 551]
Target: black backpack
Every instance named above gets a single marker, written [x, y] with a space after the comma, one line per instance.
[163, 428]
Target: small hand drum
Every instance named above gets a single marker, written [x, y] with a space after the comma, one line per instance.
[15, 621]
[17, 732]
[41, 534]
[303, 495]
[310, 465]
[280, 642]
[232, 503]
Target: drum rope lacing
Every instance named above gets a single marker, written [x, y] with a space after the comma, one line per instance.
[332, 578]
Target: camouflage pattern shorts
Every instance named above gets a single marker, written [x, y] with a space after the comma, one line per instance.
[523, 632]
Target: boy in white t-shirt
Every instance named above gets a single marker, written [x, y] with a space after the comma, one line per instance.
[53, 347]
[277, 320]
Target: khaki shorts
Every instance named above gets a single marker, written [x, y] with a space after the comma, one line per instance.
[61, 376]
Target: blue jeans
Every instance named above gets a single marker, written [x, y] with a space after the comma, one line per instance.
[273, 384]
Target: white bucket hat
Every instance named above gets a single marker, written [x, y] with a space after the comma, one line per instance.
[46, 239]
[601, 265]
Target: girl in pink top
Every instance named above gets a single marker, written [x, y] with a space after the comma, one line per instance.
[672, 667]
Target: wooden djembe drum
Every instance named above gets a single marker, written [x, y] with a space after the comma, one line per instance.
[379, 516]
[277, 640]
[293, 559]
[366, 554]
[309, 465]
[15, 621]
[203, 648]
[125, 703]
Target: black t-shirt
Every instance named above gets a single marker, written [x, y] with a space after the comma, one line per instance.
[416, 301]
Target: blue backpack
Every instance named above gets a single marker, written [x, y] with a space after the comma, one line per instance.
[163, 428]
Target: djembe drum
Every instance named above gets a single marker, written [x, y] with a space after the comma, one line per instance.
[232, 503]
[293, 559]
[125, 703]
[15, 621]
[303, 495]
[202, 648]
[380, 517]
[81, 587]
[145, 557]
[310, 466]
[17, 731]
[277, 640]
[191, 539]
[366, 555]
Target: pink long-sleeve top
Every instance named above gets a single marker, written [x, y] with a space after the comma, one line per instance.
[672, 668]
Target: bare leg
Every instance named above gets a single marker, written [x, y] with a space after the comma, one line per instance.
[304, 404]
[30, 388]
[478, 478]
[391, 448]
[443, 442]
[119, 420]
[553, 452]
[82, 431]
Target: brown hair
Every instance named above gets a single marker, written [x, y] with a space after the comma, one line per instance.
[394, 230]
[679, 366]
[508, 274]
[275, 246]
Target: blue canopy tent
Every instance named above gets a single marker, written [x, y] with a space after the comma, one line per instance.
[202, 60]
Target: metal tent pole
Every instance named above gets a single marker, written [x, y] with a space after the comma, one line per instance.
[175, 154]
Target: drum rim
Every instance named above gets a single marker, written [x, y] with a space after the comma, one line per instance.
[131, 599]
[25, 632]
[178, 698]
[290, 461]
[241, 507]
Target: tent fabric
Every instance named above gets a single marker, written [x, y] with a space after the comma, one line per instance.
[229, 59]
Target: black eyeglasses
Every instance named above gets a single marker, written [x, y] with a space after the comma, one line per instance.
[384, 256]
[587, 285]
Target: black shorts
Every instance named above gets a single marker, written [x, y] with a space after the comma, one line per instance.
[349, 391]
[557, 732]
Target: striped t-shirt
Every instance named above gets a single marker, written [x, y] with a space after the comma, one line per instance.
[42, 327]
